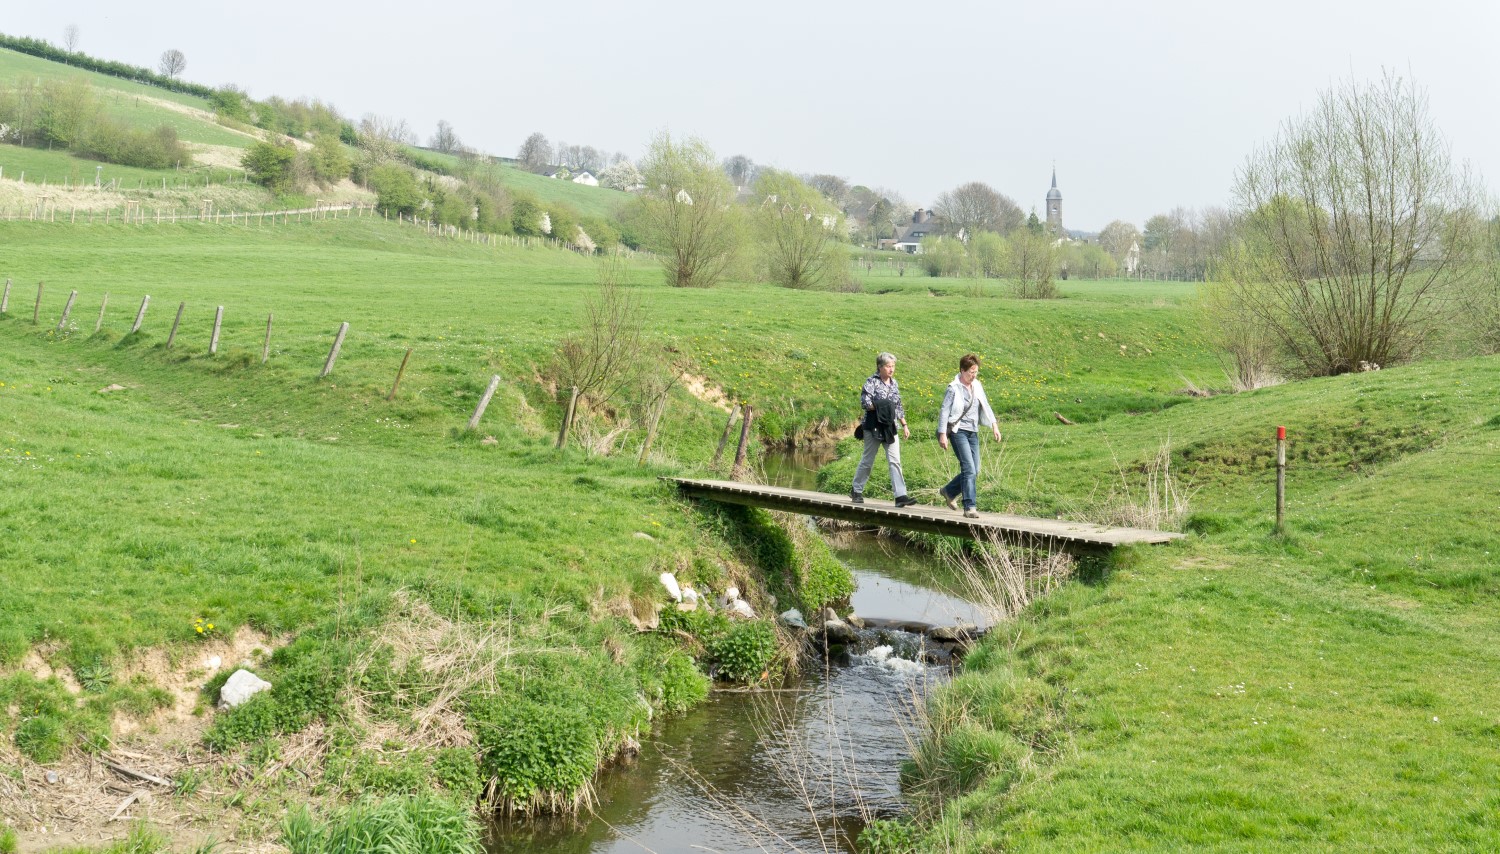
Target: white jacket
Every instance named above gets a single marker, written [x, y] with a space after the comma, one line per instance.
[954, 401]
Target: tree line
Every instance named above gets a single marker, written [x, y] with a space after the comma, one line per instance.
[172, 61]
[69, 114]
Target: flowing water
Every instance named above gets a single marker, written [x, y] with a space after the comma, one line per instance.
[799, 769]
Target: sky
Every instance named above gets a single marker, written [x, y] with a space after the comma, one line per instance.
[1142, 107]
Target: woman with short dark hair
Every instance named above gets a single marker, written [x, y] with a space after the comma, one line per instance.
[965, 410]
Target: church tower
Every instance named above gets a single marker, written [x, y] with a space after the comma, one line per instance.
[1054, 207]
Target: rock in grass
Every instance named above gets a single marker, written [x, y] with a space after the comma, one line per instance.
[794, 619]
[669, 581]
[241, 687]
[741, 608]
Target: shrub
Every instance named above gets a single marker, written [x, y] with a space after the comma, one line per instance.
[888, 836]
[272, 165]
[746, 652]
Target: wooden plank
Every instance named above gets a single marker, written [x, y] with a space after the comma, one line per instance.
[1021, 530]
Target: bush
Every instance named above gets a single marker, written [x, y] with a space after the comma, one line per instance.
[746, 652]
[272, 165]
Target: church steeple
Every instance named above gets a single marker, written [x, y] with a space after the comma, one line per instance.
[1054, 206]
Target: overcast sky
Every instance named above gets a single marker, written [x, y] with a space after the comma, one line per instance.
[1142, 106]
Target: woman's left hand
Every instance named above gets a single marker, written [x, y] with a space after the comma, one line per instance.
[997, 433]
[905, 431]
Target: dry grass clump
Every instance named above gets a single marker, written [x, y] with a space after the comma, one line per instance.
[1003, 578]
[1148, 495]
[442, 661]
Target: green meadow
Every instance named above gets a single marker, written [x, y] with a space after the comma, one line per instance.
[1329, 688]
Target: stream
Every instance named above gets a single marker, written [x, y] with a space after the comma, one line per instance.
[803, 768]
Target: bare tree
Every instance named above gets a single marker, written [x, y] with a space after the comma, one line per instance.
[976, 206]
[1033, 257]
[535, 152]
[1117, 237]
[603, 357]
[172, 63]
[686, 211]
[70, 38]
[380, 140]
[795, 228]
[590, 158]
[445, 140]
[740, 169]
[1357, 226]
[834, 188]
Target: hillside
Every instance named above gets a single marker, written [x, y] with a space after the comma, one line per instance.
[475, 616]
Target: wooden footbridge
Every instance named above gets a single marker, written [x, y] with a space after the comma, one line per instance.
[1054, 534]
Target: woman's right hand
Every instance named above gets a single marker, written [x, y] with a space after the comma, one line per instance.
[943, 441]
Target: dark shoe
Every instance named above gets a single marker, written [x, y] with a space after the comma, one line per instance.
[971, 513]
[856, 498]
[951, 501]
[905, 501]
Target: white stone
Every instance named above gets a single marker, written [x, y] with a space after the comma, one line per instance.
[741, 608]
[794, 619]
[213, 662]
[689, 596]
[241, 687]
[669, 581]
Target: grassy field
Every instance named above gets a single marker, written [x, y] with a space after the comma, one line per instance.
[1325, 689]
[588, 201]
[135, 104]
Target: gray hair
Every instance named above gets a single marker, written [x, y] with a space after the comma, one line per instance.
[885, 359]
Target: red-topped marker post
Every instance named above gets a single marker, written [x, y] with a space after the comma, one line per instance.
[1280, 476]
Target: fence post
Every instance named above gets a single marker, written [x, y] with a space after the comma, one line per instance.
[484, 401]
[67, 309]
[1280, 477]
[739, 454]
[213, 343]
[98, 324]
[333, 355]
[265, 349]
[397, 384]
[724, 437]
[656, 414]
[5, 299]
[171, 336]
[562, 434]
[140, 316]
[36, 310]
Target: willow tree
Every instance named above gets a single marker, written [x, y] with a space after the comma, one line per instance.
[686, 211]
[1358, 231]
[796, 232]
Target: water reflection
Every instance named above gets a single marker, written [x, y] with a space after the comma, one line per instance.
[796, 770]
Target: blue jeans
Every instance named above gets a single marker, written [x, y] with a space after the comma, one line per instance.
[966, 447]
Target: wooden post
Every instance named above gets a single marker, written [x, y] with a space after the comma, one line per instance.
[140, 315]
[99, 324]
[213, 343]
[1280, 477]
[171, 336]
[333, 355]
[484, 401]
[739, 454]
[656, 413]
[397, 384]
[724, 437]
[5, 298]
[265, 349]
[36, 311]
[562, 434]
[67, 309]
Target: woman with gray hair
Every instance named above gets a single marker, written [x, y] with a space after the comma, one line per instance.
[881, 400]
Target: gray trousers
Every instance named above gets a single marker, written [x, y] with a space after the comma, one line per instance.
[867, 462]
